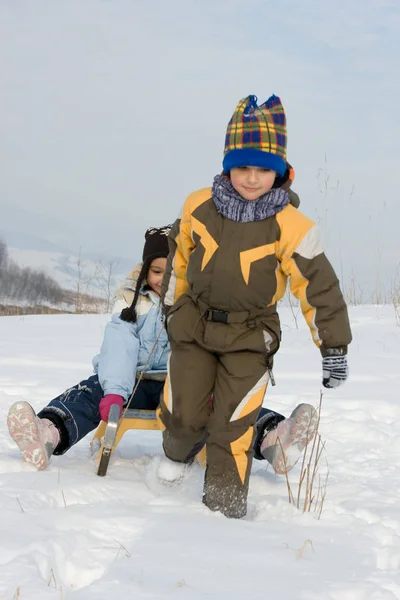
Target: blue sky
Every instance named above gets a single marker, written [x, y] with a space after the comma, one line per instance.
[113, 111]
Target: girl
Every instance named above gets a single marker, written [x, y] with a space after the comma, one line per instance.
[127, 351]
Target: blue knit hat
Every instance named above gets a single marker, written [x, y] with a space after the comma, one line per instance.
[256, 136]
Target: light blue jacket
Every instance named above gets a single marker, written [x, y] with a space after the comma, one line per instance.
[126, 347]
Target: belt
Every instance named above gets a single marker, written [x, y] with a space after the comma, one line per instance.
[223, 316]
[227, 317]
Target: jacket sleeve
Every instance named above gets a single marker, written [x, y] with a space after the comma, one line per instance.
[180, 247]
[116, 363]
[124, 294]
[312, 280]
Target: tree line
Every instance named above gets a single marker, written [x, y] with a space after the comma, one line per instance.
[24, 284]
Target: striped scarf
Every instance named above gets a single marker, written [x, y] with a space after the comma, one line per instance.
[230, 204]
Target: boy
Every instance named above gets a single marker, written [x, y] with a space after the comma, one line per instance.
[230, 256]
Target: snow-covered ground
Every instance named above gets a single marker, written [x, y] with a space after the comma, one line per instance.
[66, 533]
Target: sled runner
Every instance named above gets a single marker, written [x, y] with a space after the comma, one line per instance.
[110, 434]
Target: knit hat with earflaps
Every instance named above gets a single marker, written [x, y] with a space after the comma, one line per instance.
[156, 243]
[155, 246]
[256, 136]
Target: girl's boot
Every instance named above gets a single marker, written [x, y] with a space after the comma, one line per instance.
[283, 445]
[36, 438]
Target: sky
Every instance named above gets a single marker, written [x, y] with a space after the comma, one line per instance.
[113, 111]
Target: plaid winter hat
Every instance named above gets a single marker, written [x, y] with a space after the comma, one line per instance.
[256, 136]
[156, 243]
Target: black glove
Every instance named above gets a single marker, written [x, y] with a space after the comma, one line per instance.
[334, 368]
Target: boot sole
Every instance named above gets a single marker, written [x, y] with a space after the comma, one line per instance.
[290, 446]
[24, 430]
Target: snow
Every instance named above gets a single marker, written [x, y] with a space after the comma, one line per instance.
[66, 533]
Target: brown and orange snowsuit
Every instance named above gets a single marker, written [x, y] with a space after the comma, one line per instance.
[221, 287]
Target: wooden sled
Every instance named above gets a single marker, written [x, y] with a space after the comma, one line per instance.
[110, 434]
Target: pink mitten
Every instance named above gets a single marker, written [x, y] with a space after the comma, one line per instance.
[107, 402]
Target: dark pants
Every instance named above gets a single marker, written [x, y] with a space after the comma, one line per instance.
[76, 411]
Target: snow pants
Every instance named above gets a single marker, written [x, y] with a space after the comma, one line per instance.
[229, 361]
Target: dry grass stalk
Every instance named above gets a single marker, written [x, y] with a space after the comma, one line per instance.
[322, 488]
[311, 490]
[122, 547]
[20, 505]
[396, 307]
[17, 594]
[311, 469]
[52, 579]
[395, 296]
[290, 493]
[141, 475]
[303, 473]
[65, 503]
[294, 313]
[301, 550]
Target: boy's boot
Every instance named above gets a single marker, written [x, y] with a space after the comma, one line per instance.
[171, 471]
[36, 438]
[283, 445]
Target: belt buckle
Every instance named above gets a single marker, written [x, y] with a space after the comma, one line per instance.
[217, 316]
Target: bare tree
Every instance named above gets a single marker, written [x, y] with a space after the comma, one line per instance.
[3, 255]
[77, 274]
[104, 275]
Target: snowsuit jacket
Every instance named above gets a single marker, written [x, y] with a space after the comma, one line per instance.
[234, 267]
